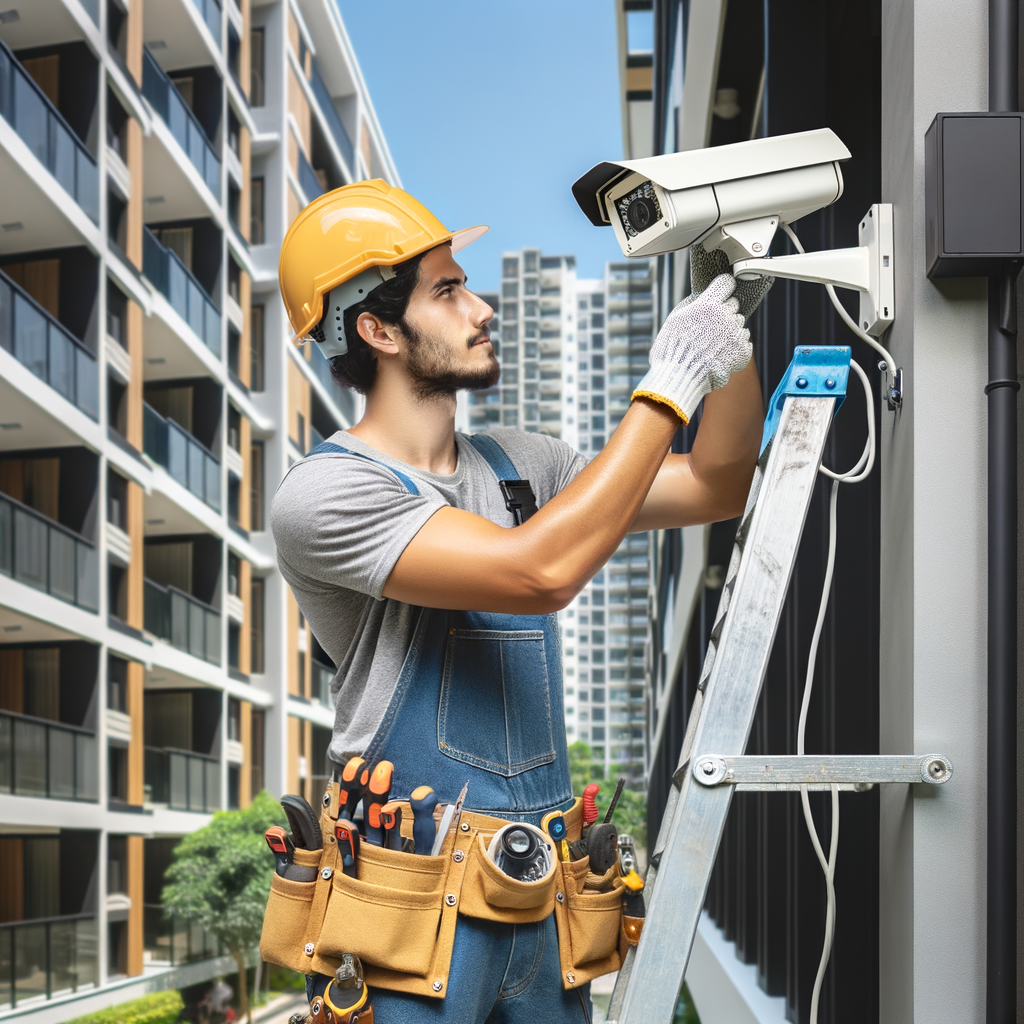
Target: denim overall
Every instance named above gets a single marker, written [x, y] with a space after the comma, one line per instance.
[479, 700]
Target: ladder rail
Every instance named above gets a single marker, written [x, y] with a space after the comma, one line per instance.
[734, 669]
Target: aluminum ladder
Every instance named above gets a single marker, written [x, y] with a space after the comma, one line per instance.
[711, 762]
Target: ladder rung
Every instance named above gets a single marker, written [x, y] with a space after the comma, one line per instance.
[750, 772]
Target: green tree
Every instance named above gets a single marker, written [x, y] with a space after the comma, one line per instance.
[220, 878]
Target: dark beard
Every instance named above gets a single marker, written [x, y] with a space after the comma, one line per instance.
[433, 374]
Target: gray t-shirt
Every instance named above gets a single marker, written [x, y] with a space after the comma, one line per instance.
[341, 522]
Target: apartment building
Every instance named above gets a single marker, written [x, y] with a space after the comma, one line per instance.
[153, 665]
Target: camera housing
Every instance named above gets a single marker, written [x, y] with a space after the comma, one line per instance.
[662, 203]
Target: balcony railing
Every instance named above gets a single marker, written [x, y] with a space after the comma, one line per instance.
[210, 12]
[43, 346]
[308, 180]
[184, 458]
[45, 555]
[183, 621]
[48, 759]
[320, 684]
[178, 285]
[47, 958]
[174, 940]
[165, 99]
[327, 108]
[28, 110]
[182, 780]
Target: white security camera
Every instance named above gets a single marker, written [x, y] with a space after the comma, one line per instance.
[735, 198]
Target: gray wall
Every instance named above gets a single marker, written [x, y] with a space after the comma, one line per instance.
[933, 649]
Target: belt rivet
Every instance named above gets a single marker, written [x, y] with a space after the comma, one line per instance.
[438, 985]
[458, 856]
[570, 977]
[559, 897]
[326, 873]
[451, 899]
[464, 826]
[308, 949]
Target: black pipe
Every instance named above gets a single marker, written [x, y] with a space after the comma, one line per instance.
[1001, 769]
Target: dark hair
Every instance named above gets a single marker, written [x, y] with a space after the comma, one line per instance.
[357, 368]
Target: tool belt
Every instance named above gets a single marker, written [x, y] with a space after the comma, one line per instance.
[400, 913]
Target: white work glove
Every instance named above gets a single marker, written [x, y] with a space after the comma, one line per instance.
[704, 339]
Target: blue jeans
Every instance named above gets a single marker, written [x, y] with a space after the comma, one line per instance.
[500, 974]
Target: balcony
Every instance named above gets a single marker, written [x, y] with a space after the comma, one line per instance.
[43, 554]
[41, 344]
[328, 110]
[47, 958]
[184, 458]
[182, 621]
[165, 99]
[27, 109]
[174, 940]
[182, 780]
[47, 759]
[308, 180]
[210, 12]
[320, 684]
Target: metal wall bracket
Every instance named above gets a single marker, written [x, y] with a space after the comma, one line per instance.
[755, 773]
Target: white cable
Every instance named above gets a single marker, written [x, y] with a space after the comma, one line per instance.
[847, 319]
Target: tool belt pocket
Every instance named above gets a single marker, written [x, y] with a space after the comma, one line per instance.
[589, 923]
[287, 917]
[389, 915]
[488, 893]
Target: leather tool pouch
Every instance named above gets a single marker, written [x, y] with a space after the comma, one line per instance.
[400, 914]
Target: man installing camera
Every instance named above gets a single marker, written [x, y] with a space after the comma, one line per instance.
[430, 565]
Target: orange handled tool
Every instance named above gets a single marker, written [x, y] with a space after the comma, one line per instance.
[374, 798]
[354, 777]
[391, 822]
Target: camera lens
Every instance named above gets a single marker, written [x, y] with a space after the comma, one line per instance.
[641, 213]
[519, 842]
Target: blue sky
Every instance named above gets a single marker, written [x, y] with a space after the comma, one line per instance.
[491, 109]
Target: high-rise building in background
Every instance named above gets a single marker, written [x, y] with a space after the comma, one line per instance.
[571, 351]
[154, 667]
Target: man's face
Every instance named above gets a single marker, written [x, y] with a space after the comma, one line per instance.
[447, 341]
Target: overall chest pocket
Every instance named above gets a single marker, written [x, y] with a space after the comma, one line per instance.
[495, 711]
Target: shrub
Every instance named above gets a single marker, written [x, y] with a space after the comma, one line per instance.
[156, 1008]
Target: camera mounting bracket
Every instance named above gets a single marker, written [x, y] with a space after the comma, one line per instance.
[866, 268]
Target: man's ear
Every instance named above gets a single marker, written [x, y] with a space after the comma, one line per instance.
[373, 331]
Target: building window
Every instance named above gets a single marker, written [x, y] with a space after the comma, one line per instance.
[234, 787]
[117, 684]
[117, 500]
[234, 644]
[257, 58]
[257, 235]
[234, 279]
[256, 613]
[256, 487]
[117, 864]
[256, 348]
[117, 314]
[117, 774]
[234, 719]
[509, 267]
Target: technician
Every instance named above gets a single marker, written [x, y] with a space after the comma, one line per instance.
[407, 561]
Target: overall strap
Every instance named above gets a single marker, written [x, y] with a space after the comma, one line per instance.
[330, 448]
[517, 492]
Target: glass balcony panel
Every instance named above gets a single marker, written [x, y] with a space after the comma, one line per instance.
[179, 620]
[334, 123]
[196, 781]
[177, 116]
[88, 182]
[88, 582]
[6, 310]
[154, 434]
[87, 383]
[6, 967]
[196, 309]
[177, 291]
[211, 174]
[62, 566]
[196, 630]
[196, 472]
[63, 976]
[212, 18]
[212, 770]
[30, 115]
[30, 962]
[212, 329]
[6, 755]
[30, 336]
[179, 942]
[62, 765]
[157, 777]
[87, 954]
[6, 538]
[29, 758]
[196, 147]
[157, 610]
[62, 363]
[212, 484]
[87, 780]
[178, 765]
[30, 549]
[177, 454]
[63, 149]
[212, 653]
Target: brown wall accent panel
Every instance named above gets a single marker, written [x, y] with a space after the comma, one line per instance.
[298, 404]
[136, 874]
[133, 224]
[245, 300]
[12, 687]
[245, 202]
[136, 531]
[136, 771]
[245, 793]
[245, 638]
[41, 279]
[294, 739]
[244, 488]
[298, 106]
[133, 41]
[12, 879]
[46, 73]
[135, 352]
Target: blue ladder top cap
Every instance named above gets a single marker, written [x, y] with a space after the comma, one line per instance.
[817, 371]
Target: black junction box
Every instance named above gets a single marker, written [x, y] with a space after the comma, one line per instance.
[974, 193]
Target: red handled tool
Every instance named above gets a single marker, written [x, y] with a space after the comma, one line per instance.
[578, 848]
[281, 847]
[348, 845]
[374, 798]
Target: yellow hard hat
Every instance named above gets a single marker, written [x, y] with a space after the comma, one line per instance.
[343, 244]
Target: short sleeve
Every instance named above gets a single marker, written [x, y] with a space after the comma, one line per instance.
[344, 521]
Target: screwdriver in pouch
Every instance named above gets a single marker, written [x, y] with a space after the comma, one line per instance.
[348, 845]
[391, 823]
[374, 798]
[423, 800]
